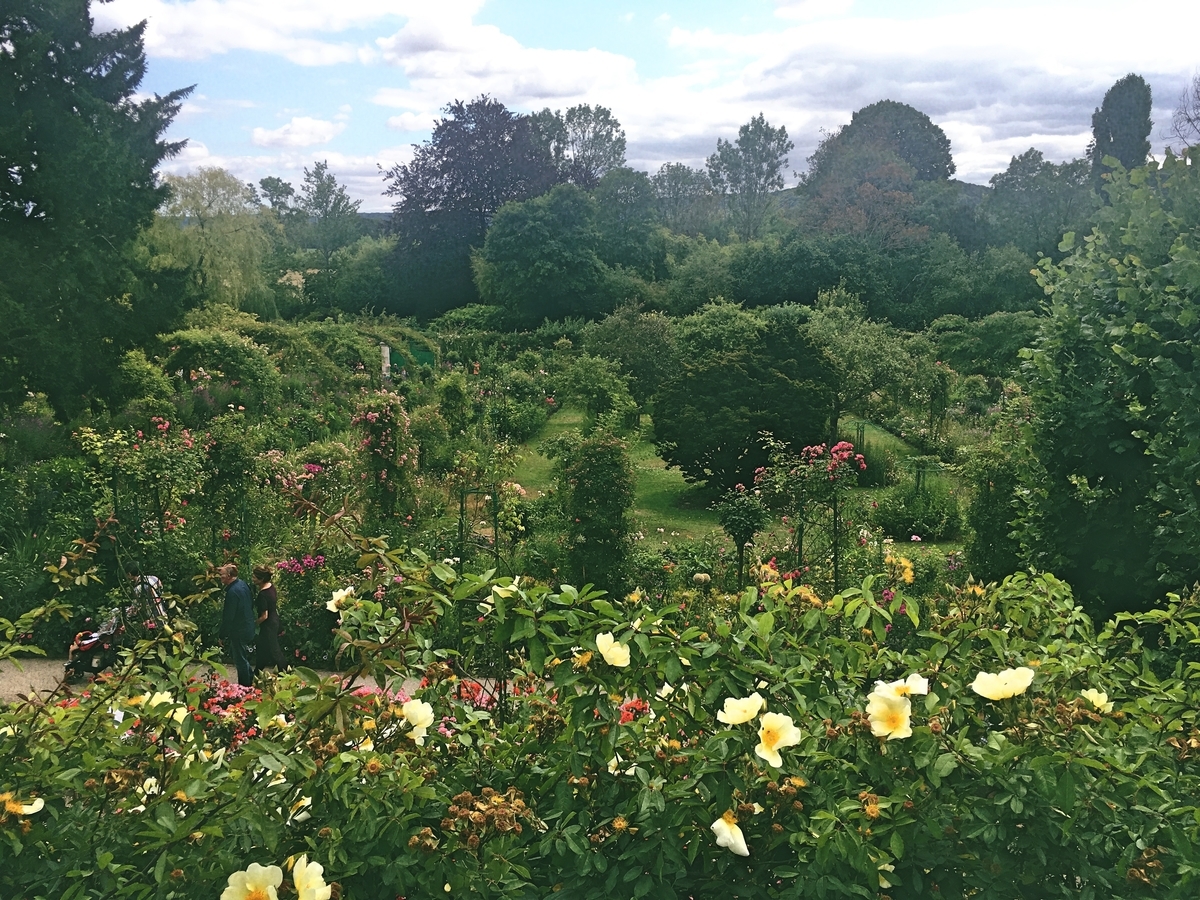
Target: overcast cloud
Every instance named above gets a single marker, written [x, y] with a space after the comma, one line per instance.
[997, 79]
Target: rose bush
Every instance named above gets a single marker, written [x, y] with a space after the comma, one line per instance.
[780, 747]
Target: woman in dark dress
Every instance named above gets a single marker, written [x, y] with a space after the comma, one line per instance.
[268, 654]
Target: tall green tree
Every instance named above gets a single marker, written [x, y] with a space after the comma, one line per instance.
[330, 216]
[1114, 378]
[594, 483]
[684, 199]
[79, 147]
[1121, 126]
[749, 171]
[625, 221]
[896, 128]
[1034, 202]
[479, 157]
[212, 225]
[539, 258]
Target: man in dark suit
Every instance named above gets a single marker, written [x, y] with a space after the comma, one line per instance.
[237, 622]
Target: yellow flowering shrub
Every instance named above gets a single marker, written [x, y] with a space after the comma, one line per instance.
[797, 753]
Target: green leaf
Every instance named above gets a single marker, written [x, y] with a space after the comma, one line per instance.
[944, 765]
[537, 653]
[896, 844]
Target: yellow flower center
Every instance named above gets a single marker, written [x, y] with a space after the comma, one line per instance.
[258, 894]
[770, 737]
[729, 817]
[892, 718]
[13, 807]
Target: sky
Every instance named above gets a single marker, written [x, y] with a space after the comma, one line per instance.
[280, 84]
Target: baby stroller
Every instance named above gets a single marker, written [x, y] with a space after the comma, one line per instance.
[94, 651]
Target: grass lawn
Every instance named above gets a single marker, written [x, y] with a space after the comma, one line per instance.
[662, 500]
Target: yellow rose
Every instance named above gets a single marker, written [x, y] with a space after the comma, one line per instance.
[1002, 685]
[729, 835]
[1098, 699]
[614, 652]
[740, 710]
[890, 715]
[775, 732]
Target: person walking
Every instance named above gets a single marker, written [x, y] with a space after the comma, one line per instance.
[147, 590]
[267, 652]
[237, 622]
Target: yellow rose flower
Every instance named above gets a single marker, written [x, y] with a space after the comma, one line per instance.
[775, 732]
[420, 716]
[740, 710]
[339, 599]
[256, 883]
[614, 652]
[890, 714]
[1002, 685]
[1098, 699]
[309, 880]
[728, 834]
[913, 684]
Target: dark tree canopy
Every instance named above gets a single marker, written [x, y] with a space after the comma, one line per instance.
[737, 371]
[330, 215]
[1034, 202]
[480, 156]
[893, 127]
[77, 183]
[1121, 125]
[539, 258]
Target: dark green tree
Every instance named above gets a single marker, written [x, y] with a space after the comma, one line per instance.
[539, 258]
[595, 144]
[742, 515]
[1121, 126]
[643, 343]
[625, 221]
[594, 483]
[895, 128]
[685, 199]
[739, 375]
[79, 149]
[479, 157]
[749, 171]
[1113, 380]
[1034, 202]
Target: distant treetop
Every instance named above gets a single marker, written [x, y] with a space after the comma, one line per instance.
[894, 127]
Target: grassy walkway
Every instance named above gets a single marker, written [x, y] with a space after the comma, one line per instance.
[662, 498]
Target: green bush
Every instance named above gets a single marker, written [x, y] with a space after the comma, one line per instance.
[932, 513]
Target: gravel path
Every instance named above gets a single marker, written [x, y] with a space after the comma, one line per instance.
[39, 675]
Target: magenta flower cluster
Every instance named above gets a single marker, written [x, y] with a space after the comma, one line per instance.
[301, 566]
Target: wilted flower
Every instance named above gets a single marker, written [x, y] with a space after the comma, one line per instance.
[889, 713]
[14, 807]
[775, 732]
[420, 716]
[256, 883]
[614, 652]
[1098, 699]
[728, 834]
[309, 880]
[741, 709]
[1002, 685]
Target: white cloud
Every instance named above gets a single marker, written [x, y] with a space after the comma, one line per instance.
[301, 131]
[997, 78]
[294, 29]
[811, 9]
